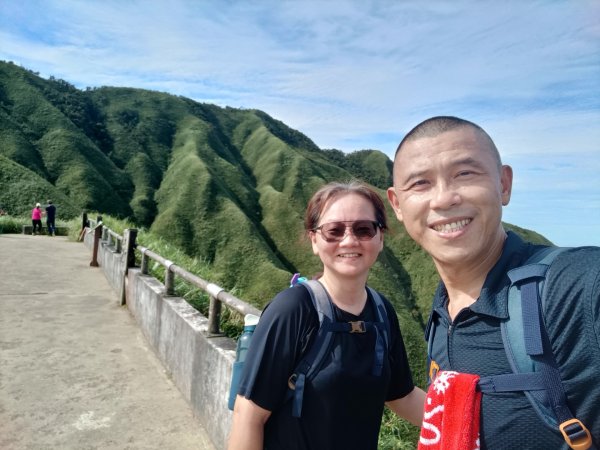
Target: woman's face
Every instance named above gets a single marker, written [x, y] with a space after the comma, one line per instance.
[350, 257]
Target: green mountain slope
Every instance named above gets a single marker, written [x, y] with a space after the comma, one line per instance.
[228, 186]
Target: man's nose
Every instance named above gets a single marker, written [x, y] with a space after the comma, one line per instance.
[444, 196]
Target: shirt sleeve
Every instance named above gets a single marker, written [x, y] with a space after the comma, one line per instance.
[595, 291]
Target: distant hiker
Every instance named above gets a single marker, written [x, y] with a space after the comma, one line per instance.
[449, 190]
[340, 406]
[36, 219]
[50, 218]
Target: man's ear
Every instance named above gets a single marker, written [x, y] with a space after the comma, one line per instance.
[393, 199]
[506, 179]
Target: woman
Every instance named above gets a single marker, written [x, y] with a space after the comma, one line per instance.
[36, 219]
[343, 404]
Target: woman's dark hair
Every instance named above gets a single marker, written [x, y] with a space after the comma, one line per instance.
[333, 190]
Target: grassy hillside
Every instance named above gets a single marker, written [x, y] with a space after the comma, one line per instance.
[21, 189]
[228, 186]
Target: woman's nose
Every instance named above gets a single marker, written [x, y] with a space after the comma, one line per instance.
[349, 237]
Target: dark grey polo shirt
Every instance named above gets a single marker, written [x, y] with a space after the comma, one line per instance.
[473, 344]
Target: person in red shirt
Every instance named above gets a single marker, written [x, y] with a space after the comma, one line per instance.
[36, 219]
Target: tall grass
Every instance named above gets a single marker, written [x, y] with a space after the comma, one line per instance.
[231, 323]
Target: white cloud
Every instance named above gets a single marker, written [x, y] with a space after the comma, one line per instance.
[354, 74]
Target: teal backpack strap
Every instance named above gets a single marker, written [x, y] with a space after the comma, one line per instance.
[517, 337]
[529, 351]
[535, 268]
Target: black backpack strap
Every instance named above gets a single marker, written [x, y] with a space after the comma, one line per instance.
[382, 329]
[311, 361]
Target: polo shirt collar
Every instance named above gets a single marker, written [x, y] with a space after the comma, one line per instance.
[493, 300]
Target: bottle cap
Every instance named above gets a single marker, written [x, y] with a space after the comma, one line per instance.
[250, 320]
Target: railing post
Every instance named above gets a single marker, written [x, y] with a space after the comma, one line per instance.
[214, 309]
[128, 258]
[169, 279]
[214, 316]
[97, 236]
[144, 263]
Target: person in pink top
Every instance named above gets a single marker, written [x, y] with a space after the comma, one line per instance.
[36, 219]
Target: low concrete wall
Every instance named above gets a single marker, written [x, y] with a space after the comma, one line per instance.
[59, 231]
[200, 366]
[113, 265]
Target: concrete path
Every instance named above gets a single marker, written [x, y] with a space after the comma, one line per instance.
[75, 371]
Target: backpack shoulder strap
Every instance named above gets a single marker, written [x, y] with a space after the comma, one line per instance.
[522, 332]
[382, 340]
[529, 350]
[522, 338]
[311, 361]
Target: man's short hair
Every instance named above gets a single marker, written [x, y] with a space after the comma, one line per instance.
[435, 126]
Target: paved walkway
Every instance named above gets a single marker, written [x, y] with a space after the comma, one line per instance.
[75, 371]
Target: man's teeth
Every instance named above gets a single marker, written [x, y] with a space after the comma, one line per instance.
[451, 227]
[349, 255]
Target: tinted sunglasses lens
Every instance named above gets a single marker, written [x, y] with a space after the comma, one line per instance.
[364, 229]
[334, 231]
[361, 229]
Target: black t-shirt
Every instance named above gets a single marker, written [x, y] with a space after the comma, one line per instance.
[473, 344]
[50, 213]
[343, 405]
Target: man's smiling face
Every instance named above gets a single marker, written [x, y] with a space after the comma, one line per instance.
[449, 191]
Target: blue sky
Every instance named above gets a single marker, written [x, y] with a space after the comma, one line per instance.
[360, 74]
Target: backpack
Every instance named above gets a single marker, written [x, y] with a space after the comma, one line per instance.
[529, 351]
[310, 363]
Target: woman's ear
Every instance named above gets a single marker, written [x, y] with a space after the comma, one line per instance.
[313, 240]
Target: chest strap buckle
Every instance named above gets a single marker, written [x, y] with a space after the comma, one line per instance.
[576, 434]
[358, 326]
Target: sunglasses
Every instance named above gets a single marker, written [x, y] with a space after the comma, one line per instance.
[363, 230]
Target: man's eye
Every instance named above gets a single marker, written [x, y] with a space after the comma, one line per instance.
[419, 184]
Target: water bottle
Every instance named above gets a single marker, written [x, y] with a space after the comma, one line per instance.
[250, 321]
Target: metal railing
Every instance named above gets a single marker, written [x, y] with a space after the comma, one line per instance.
[217, 295]
[112, 239]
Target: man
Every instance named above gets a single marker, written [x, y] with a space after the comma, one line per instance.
[50, 218]
[449, 190]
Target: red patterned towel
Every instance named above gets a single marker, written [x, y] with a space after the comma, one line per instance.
[451, 418]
